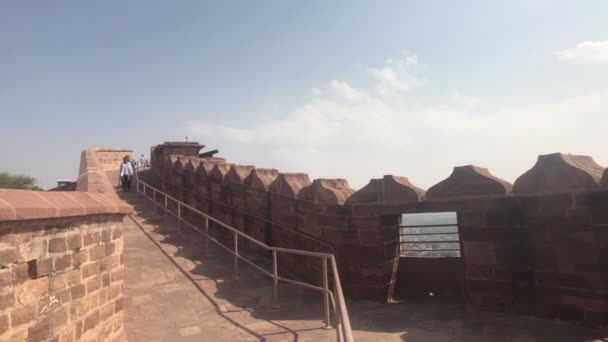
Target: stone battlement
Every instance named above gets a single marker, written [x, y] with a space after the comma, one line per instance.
[535, 247]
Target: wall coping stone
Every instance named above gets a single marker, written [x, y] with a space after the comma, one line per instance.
[558, 172]
[289, 184]
[238, 173]
[330, 191]
[387, 190]
[261, 178]
[469, 180]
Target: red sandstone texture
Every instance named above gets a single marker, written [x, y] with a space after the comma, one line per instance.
[238, 173]
[261, 178]
[469, 180]
[559, 172]
[389, 190]
[219, 171]
[540, 254]
[289, 184]
[331, 191]
[61, 272]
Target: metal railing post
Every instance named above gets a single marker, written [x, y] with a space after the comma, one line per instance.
[326, 295]
[179, 215]
[206, 236]
[236, 255]
[166, 209]
[275, 281]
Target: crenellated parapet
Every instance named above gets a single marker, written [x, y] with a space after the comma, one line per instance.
[219, 171]
[206, 165]
[542, 234]
[238, 173]
[327, 191]
[289, 184]
[261, 178]
[469, 181]
[557, 172]
[387, 190]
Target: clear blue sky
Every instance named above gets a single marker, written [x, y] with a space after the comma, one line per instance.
[349, 89]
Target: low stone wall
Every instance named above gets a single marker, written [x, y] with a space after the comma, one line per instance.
[61, 268]
[537, 247]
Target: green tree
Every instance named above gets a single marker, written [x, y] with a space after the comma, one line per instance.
[9, 181]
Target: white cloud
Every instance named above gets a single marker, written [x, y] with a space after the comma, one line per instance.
[358, 134]
[396, 75]
[585, 53]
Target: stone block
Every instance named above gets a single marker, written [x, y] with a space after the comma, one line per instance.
[6, 278]
[91, 238]
[22, 315]
[57, 245]
[32, 250]
[31, 291]
[74, 241]
[78, 291]
[7, 299]
[4, 324]
[8, 255]
[62, 263]
[21, 273]
[97, 253]
[59, 317]
[90, 270]
[479, 253]
[93, 284]
[40, 331]
[91, 321]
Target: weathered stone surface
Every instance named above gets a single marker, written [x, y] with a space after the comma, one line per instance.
[261, 178]
[331, 191]
[469, 180]
[206, 165]
[220, 170]
[192, 164]
[559, 172]
[177, 163]
[238, 173]
[289, 184]
[387, 190]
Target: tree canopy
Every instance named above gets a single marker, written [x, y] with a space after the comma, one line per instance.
[10, 181]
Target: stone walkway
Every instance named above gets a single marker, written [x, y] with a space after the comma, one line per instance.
[175, 293]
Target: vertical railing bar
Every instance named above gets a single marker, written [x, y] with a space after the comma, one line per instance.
[206, 236]
[275, 281]
[236, 256]
[326, 295]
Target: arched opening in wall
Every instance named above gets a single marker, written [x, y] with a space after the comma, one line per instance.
[430, 258]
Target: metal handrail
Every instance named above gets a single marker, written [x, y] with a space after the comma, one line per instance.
[215, 200]
[335, 298]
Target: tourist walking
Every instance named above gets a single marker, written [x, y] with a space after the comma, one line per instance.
[126, 172]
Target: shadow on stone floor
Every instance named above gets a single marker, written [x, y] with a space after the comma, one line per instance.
[251, 292]
[410, 320]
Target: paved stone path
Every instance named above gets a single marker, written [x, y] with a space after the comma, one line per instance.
[174, 292]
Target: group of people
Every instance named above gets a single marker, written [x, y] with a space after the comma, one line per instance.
[128, 169]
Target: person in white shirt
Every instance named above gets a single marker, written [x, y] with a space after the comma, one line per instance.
[126, 172]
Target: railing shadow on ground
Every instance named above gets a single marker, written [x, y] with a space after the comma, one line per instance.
[252, 292]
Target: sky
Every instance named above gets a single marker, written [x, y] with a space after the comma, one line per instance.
[336, 89]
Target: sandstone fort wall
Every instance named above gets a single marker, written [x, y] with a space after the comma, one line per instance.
[538, 246]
